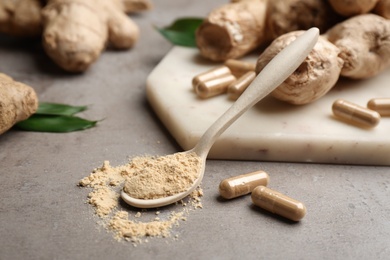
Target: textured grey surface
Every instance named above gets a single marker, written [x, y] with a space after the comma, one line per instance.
[43, 213]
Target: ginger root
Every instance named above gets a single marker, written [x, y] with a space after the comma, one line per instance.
[317, 74]
[132, 6]
[232, 30]
[239, 27]
[76, 31]
[382, 8]
[351, 8]
[358, 48]
[21, 17]
[292, 15]
[364, 42]
[17, 102]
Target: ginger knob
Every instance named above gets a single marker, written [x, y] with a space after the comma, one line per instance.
[232, 30]
[351, 8]
[21, 18]
[317, 74]
[18, 102]
[76, 31]
[382, 8]
[364, 42]
[293, 15]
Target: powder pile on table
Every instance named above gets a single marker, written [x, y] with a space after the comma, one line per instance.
[107, 182]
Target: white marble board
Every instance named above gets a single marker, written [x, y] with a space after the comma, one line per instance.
[271, 130]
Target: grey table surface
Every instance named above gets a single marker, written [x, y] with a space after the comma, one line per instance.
[43, 213]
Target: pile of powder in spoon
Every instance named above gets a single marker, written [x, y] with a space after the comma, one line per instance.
[157, 177]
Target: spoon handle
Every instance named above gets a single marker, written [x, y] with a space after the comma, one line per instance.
[276, 71]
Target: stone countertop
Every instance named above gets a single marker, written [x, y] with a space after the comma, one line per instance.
[44, 213]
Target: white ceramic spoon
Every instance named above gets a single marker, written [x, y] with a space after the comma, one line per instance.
[276, 71]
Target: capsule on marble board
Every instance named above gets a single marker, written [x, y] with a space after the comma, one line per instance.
[214, 87]
[239, 68]
[355, 114]
[380, 105]
[238, 87]
[278, 203]
[243, 184]
[211, 74]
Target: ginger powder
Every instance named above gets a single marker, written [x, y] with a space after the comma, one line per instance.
[127, 223]
[157, 177]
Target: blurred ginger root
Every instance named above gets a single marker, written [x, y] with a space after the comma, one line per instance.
[17, 102]
[21, 17]
[382, 8]
[76, 31]
[350, 8]
[239, 27]
[232, 30]
[135, 6]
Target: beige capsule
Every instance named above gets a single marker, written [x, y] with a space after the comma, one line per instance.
[380, 105]
[214, 87]
[238, 87]
[211, 74]
[355, 114]
[278, 203]
[243, 184]
[239, 68]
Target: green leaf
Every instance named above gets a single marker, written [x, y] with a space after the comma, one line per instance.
[55, 123]
[182, 31]
[58, 109]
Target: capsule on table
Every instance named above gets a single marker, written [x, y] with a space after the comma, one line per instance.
[278, 203]
[380, 105]
[239, 68]
[243, 184]
[211, 74]
[355, 113]
[236, 88]
[214, 87]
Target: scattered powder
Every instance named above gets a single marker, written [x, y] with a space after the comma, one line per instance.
[102, 197]
[157, 177]
[104, 175]
[104, 200]
[196, 198]
[107, 182]
[123, 227]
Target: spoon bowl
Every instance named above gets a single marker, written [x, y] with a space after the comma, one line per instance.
[155, 203]
[272, 75]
